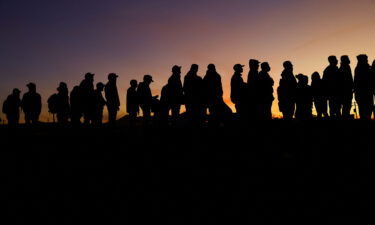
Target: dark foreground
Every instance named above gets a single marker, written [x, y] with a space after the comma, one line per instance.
[319, 172]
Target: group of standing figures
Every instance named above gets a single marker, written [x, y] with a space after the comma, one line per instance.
[253, 100]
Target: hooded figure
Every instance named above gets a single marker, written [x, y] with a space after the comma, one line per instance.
[238, 94]
[87, 98]
[193, 91]
[331, 79]
[11, 107]
[318, 93]
[145, 96]
[286, 91]
[264, 92]
[99, 103]
[174, 92]
[213, 90]
[304, 98]
[364, 87]
[132, 102]
[31, 104]
[112, 97]
[346, 86]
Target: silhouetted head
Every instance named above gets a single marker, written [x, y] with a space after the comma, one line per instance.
[288, 65]
[133, 83]
[254, 64]
[238, 68]
[100, 86]
[112, 77]
[211, 67]
[63, 87]
[194, 68]
[16, 92]
[362, 59]
[176, 69]
[89, 76]
[315, 76]
[32, 87]
[345, 60]
[333, 60]
[302, 79]
[147, 79]
[265, 67]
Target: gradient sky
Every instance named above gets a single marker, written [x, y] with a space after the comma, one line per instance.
[48, 41]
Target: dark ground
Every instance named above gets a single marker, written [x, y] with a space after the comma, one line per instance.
[317, 172]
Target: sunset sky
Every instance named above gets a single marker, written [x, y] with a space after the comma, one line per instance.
[48, 41]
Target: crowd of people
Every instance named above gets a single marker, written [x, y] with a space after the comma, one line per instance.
[203, 97]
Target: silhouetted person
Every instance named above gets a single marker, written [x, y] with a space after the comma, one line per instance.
[99, 104]
[318, 93]
[287, 91]
[331, 79]
[87, 98]
[11, 107]
[76, 106]
[346, 86]
[238, 94]
[31, 104]
[264, 92]
[304, 98]
[132, 101]
[364, 88]
[145, 96]
[252, 85]
[213, 92]
[59, 104]
[193, 91]
[175, 92]
[113, 100]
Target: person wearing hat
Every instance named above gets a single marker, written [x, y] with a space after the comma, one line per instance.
[132, 102]
[286, 91]
[346, 87]
[252, 80]
[145, 96]
[174, 92]
[264, 92]
[31, 104]
[99, 104]
[364, 87]
[86, 91]
[11, 107]
[331, 79]
[238, 90]
[112, 97]
[193, 89]
[59, 103]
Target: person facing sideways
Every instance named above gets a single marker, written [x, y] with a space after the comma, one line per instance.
[11, 107]
[364, 88]
[75, 106]
[132, 104]
[346, 86]
[193, 88]
[145, 96]
[213, 90]
[286, 91]
[238, 90]
[319, 98]
[59, 103]
[31, 104]
[331, 80]
[252, 84]
[113, 100]
[264, 92]
[175, 95]
[304, 99]
[87, 98]
[99, 104]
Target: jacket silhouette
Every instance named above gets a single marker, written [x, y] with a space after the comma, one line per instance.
[112, 97]
[174, 92]
[132, 101]
[238, 92]
[304, 98]
[364, 87]
[264, 92]
[11, 107]
[331, 80]
[252, 85]
[59, 104]
[145, 96]
[100, 102]
[319, 97]
[31, 104]
[346, 86]
[286, 91]
[193, 91]
[76, 108]
[87, 98]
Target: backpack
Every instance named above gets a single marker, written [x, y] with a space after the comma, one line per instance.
[53, 102]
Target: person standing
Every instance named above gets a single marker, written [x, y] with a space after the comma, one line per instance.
[175, 93]
[286, 91]
[331, 80]
[304, 98]
[238, 91]
[252, 85]
[318, 94]
[145, 96]
[11, 107]
[364, 88]
[346, 86]
[31, 104]
[213, 92]
[76, 106]
[112, 97]
[99, 104]
[132, 104]
[264, 92]
[193, 90]
[87, 98]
